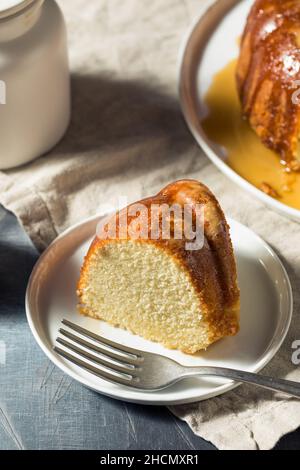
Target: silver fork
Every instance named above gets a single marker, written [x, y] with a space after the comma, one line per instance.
[142, 370]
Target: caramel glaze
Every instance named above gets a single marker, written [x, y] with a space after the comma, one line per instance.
[245, 153]
[267, 71]
[211, 269]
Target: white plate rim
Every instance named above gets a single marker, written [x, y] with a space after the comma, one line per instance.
[151, 398]
[186, 96]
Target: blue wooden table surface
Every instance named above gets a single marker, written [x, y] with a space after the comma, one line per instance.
[41, 408]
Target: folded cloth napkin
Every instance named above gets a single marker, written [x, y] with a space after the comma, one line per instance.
[127, 137]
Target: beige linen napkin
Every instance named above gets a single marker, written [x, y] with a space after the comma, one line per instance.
[127, 137]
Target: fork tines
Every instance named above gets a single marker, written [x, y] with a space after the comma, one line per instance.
[116, 363]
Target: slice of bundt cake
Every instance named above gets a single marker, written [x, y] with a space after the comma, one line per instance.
[268, 76]
[159, 287]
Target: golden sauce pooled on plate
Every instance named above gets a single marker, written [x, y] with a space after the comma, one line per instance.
[246, 154]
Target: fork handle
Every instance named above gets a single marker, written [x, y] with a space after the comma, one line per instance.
[278, 385]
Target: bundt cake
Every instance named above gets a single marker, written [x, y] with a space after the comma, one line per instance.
[158, 287]
[268, 75]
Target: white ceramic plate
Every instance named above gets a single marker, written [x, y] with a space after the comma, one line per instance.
[266, 312]
[209, 46]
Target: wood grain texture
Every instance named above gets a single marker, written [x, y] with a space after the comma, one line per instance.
[41, 408]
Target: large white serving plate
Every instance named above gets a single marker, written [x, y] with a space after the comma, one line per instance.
[266, 310]
[212, 43]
